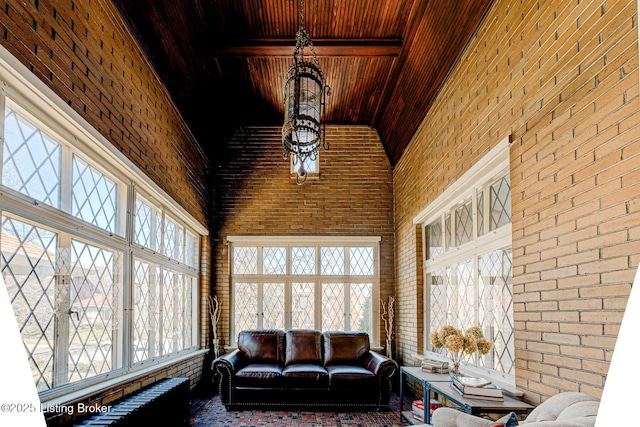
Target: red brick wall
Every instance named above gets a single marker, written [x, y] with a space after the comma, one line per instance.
[562, 78]
[257, 197]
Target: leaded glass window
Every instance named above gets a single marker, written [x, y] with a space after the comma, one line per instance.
[328, 287]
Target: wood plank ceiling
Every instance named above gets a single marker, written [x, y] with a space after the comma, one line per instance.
[223, 61]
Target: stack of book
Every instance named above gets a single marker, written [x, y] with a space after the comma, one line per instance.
[435, 366]
[417, 408]
[476, 388]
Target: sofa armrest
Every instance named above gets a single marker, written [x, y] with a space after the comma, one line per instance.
[226, 367]
[384, 369]
[379, 364]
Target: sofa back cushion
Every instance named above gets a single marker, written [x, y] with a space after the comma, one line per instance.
[303, 346]
[262, 346]
[345, 348]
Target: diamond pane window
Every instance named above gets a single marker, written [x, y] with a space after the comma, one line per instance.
[245, 260]
[245, 306]
[495, 310]
[439, 303]
[464, 223]
[333, 315]
[187, 320]
[274, 260]
[435, 239]
[28, 267]
[146, 311]
[93, 195]
[95, 300]
[480, 210]
[191, 250]
[31, 160]
[303, 261]
[361, 261]
[170, 240]
[332, 261]
[303, 305]
[361, 304]
[144, 224]
[179, 251]
[273, 306]
[169, 295]
[500, 202]
[472, 285]
[447, 231]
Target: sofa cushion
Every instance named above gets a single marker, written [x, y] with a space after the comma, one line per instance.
[303, 346]
[348, 376]
[262, 346]
[305, 375]
[345, 348]
[259, 375]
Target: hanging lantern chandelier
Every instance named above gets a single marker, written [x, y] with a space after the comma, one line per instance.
[305, 90]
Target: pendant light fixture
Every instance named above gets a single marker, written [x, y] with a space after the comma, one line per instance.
[305, 90]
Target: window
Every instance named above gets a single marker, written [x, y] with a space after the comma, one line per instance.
[90, 301]
[468, 260]
[331, 284]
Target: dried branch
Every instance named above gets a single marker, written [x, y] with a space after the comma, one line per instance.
[214, 311]
[388, 313]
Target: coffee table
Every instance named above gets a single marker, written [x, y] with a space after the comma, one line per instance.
[440, 385]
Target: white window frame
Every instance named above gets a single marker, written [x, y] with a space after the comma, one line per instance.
[485, 171]
[53, 116]
[317, 279]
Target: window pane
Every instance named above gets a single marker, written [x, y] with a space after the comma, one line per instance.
[495, 311]
[168, 320]
[439, 302]
[191, 250]
[461, 307]
[332, 261]
[464, 224]
[169, 241]
[95, 308]
[93, 196]
[361, 302]
[245, 306]
[303, 305]
[434, 235]
[28, 267]
[303, 261]
[146, 311]
[500, 203]
[361, 261]
[447, 231]
[480, 209]
[333, 306]
[274, 260]
[31, 160]
[144, 223]
[245, 260]
[273, 305]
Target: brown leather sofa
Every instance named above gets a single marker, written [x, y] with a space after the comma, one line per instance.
[304, 367]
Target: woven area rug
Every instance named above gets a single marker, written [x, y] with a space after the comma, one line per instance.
[212, 413]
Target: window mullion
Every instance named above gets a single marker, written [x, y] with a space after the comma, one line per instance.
[63, 311]
[347, 306]
[260, 306]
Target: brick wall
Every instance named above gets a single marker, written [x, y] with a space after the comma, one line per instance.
[85, 53]
[257, 197]
[561, 77]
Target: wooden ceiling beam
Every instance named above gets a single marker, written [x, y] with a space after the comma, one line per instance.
[322, 47]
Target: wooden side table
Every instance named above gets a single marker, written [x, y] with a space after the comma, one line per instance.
[440, 385]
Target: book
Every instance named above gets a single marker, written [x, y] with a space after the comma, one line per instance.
[476, 386]
[477, 396]
[417, 408]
